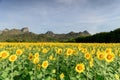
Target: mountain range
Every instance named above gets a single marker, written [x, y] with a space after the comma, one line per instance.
[24, 35]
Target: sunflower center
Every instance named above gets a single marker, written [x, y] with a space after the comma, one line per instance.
[79, 67]
[101, 55]
[109, 57]
[45, 64]
[4, 54]
[87, 55]
[13, 58]
[18, 52]
[30, 57]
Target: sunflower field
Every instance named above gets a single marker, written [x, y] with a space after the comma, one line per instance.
[59, 61]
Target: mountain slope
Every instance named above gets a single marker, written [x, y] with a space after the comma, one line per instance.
[23, 35]
[103, 37]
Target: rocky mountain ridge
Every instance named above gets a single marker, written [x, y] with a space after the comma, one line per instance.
[21, 35]
[15, 31]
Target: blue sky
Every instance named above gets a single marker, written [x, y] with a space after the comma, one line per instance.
[60, 16]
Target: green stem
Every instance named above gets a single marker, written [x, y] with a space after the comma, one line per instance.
[12, 66]
[35, 73]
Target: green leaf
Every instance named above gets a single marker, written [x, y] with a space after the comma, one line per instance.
[30, 72]
[7, 79]
[99, 77]
[16, 73]
[4, 75]
[39, 76]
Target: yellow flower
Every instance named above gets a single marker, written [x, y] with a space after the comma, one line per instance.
[100, 55]
[84, 50]
[109, 57]
[4, 54]
[19, 52]
[69, 52]
[80, 68]
[62, 75]
[44, 50]
[74, 52]
[38, 66]
[53, 71]
[87, 56]
[108, 50]
[12, 58]
[30, 56]
[59, 51]
[36, 60]
[117, 76]
[51, 57]
[36, 55]
[0, 55]
[91, 63]
[45, 64]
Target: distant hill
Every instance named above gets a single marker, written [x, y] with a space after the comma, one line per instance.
[103, 37]
[23, 35]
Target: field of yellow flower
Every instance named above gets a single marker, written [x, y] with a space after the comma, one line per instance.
[59, 61]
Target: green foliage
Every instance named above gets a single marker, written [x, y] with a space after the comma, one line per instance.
[104, 37]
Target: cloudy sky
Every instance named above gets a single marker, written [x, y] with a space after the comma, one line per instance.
[60, 16]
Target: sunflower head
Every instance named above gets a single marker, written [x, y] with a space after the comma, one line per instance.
[62, 75]
[117, 76]
[91, 63]
[80, 68]
[100, 55]
[108, 50]
[44, 50]
[45, 64]
[69, 52]
[19, 52]
[59, 51]
[12, 58]
[36, 55]
[4, 54]
[38, 66]
[87, 55]
[30, 57]
[109, 57]
[36, 60]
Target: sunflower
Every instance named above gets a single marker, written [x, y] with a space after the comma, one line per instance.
[4, 54]
[45, 64]
[51, 57]
[0, 55]
[74, 52]
[62, 75]
[36, 55]
[59, 51]
[38, 66]
[69, 52]
[117, 76]
[30, 57]
[87, 55]
[84, 50]
[100, 55]
[109, 57]
[36, 60]
[12, 58]
[91, 63]
[19, 52]
[80, 68]
[44, 50]
[108, 50]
